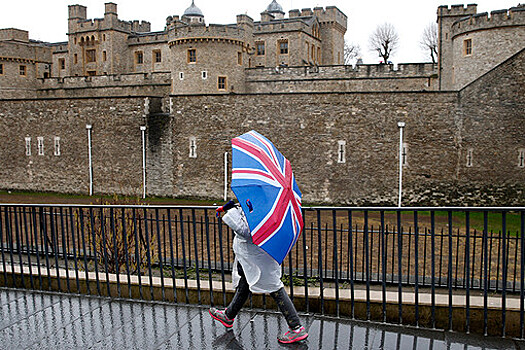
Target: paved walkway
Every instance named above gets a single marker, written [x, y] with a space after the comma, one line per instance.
[35, 320]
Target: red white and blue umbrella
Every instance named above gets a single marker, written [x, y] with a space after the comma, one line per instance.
[265, 186]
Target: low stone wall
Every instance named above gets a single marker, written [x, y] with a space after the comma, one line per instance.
[314, 301]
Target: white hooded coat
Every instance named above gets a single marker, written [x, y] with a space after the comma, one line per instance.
[262, 272]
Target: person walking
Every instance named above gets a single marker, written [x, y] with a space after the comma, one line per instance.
[255, 271]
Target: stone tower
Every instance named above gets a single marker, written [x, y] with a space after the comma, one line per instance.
[207, 59]
[445, 18]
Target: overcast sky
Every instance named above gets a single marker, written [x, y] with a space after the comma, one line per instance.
[46, 20]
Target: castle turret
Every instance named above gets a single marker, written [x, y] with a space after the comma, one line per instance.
[445, 18]
[193, 14]
[275, 10]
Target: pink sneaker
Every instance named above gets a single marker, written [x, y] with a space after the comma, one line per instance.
[220, 315]
[293, 335]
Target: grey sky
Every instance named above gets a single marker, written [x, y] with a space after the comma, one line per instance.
[47, 20]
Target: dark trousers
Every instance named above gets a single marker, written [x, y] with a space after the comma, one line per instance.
[281, 298]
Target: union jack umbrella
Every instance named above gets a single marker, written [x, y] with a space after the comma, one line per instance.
[265, 186]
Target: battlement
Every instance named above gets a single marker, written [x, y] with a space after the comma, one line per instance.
[482, 21]
[201, 32]
[78, 21]
[404, 70]
[457, 10]
[105, 81]
[14, 35]
[328, 14]
[151, 37]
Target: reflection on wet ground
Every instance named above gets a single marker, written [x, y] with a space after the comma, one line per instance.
[34, 320]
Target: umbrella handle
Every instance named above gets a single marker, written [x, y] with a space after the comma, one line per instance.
[224, 208]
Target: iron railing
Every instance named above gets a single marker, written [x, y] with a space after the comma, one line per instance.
[445, 251]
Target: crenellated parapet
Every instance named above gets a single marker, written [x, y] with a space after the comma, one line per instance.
[457, 10]
[514, 16]
[211, 33]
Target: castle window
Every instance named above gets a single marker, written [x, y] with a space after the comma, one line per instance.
[404, 155]
[192, 55]
[239, 58]
[62, 63]
[204, 75]
[40, 140]
[91, 73]
[104, 56]
[23, 70]
[313, 53]
[467, 47]
[91, 55]
[181, 75]
[104, 37]
[318, 55]
[157, 56]
[28, 146]
[221, 83]
[283, 47]
[193, 147]
[1, 69]
[260, 48]
[341, 151]
[470, 154]
[75, 58]
[139, 57]
[521, 158]
[57, 146]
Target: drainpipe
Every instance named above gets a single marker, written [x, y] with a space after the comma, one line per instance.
[143, 131]
[400, 125]
[88, 128]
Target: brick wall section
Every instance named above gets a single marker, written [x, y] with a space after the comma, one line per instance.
[117, 155]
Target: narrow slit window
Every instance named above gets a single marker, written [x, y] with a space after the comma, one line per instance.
[404, 155]
[40, 141]
[28, 146]
[521, 158]
[193, 147]
[204, 75]
[181, 75]
[57, 146]
[341, 151]
[470, 155]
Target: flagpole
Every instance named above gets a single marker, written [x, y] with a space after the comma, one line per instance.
[225, 176]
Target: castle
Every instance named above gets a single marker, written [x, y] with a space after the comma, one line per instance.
[194, 86]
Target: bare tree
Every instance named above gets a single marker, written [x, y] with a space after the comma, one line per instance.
[429, 40]
[384, 40]
[351, 51]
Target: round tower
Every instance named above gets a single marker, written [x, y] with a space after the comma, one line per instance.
[207, 59]
[480, 42]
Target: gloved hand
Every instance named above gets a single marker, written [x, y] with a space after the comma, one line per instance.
[224, 208]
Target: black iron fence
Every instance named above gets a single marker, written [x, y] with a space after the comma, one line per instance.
[471, 251]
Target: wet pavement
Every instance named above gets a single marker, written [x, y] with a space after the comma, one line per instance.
[36, 320]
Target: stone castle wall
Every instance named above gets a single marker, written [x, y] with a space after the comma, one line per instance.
[116, 142]
[443, 129]
[380, 77]
[494, 39]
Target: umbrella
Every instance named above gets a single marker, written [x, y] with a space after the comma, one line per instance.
[265, 186]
